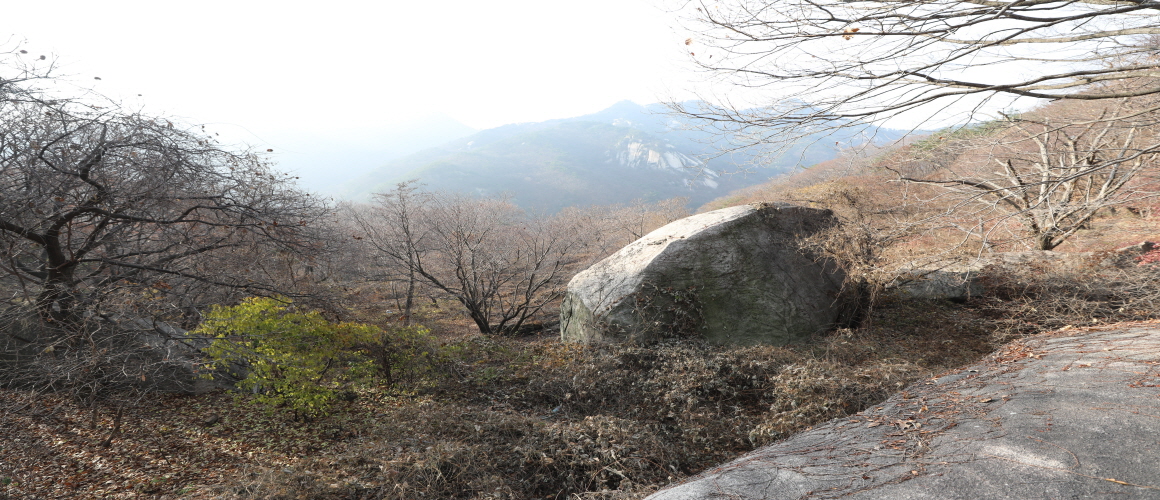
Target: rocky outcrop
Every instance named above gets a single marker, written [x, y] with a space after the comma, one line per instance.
[171, 357]
[736, 275]
[954, 282]
[140, 353]
[1068, 414]
[965, 280]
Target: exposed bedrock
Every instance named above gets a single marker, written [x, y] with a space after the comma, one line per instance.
[1069, 414]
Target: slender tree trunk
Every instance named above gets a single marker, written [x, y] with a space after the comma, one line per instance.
[410, 292]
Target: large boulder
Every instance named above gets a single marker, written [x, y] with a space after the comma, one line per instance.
[737, 275]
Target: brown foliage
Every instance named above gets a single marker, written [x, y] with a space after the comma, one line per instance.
[1041, 176]
[507, 418]
[506, 267]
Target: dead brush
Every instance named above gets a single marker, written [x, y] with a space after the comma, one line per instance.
[519, 419]
[816, 391]
[1033, 299]
[448, 451]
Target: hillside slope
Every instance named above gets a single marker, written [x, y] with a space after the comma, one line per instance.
[624, 153]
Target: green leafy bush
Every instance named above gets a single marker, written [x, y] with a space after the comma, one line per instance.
[290, 358]
[405, 356]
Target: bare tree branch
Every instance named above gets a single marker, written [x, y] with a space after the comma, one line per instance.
[826, 64]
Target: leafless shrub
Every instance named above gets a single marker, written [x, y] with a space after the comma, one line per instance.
[116, 228]
[504, 266]
[623, 224]
[1043, 297]
[1041, 176]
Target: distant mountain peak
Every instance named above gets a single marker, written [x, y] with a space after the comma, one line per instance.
[622, 153]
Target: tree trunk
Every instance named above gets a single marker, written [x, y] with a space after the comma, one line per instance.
[1046, 242]
[410, 291]
[481, 322]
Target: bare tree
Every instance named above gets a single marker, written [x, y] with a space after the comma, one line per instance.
[502, 265]
[98, 201]
[637, 219]
[21, 71]
[115, 225]
[393, 226]
[838, 63]
[1051, 171]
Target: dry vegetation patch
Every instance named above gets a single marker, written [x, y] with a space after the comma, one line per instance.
[501, 418]
[529, 417]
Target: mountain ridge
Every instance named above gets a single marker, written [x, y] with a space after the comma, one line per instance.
[623, 153]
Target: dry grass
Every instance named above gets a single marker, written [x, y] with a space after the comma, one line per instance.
[1042, 299]
[533, 418]
[507, 418]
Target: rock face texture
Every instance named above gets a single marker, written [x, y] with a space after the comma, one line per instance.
[736, 275]
[1069, 414]
[964, 280]
[956, 282]
[138, 352]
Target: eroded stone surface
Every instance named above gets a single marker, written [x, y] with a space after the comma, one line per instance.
[736, 275]
[1073, 414]
[964, 280]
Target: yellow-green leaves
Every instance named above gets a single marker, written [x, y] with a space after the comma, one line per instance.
[289, 357]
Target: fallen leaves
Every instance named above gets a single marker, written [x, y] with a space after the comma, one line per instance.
[1014, 352]
[51, 451]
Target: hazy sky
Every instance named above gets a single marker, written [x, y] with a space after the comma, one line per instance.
[330, 65]
[322, 83]
[318, 80]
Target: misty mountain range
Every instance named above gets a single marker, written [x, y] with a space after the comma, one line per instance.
[624, 153]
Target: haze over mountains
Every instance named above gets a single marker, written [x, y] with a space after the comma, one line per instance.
[324, 163]
[624, 153]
